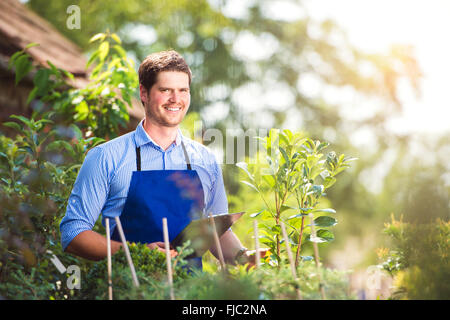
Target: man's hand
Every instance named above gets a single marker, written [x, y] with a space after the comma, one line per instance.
[251, 256]
[161, 247]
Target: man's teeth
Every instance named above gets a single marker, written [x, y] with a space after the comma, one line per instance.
[173, 109]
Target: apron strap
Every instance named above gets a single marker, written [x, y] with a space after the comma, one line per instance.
[138, 157]
[188, 162]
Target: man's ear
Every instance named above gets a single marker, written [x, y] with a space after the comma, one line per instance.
[143, 92]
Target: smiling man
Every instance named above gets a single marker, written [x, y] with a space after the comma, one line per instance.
[150, 173]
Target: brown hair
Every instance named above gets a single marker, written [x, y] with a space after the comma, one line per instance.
[161, 61]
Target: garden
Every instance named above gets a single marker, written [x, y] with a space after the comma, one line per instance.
[301, 194]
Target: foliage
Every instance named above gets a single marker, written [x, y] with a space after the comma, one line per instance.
[39, 166]
[419, 259]
[236, 284]
[293, 167]
[293, 52]
[151, 270]
[204, 32]
[99, 108]
[34, 190]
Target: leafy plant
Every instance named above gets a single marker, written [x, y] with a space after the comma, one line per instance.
[293, 168]
[418, 259]
[39, 166]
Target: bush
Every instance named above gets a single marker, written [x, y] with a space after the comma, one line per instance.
[419, 259]
[39, 166]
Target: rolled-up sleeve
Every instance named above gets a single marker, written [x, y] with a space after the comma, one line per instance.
[218, 200]
[88, 197]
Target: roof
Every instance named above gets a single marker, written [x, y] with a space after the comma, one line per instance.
[20, 26]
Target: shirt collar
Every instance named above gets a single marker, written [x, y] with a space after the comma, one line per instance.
[142, 137]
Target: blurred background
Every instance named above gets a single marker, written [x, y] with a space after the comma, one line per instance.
[368, 77]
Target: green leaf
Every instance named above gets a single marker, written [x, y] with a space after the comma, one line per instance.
[57, 145]
[23, 119]
[82, 110]
[98, 36]
[325, 221]
[23, 67]
[120, 51]
[329, 181]
[289, 134]
[325, 234]
[286, 207]
[116, 38]
[263, 215]
[103, 50]
[32, 95]
[244, 167]
[316, 239]
[269, 179]
[92, 58]
[250, 185]
[254, 215]
[41, 81]
[328, 210]
[13, 125]
[13, 58]
[309, 145]
[77, 132]
[322, 146]
[285, 156]
[30, 45]
[284, 138]
[276, 229]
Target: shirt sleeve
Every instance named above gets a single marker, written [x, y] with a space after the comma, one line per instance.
[88, 197]
[218, 202]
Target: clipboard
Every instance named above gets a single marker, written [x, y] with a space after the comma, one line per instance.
[201, 234]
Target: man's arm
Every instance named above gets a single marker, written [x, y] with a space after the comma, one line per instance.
[230, 245]
[91, 245]
[84, 205]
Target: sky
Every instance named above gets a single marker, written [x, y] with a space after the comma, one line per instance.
[375, 25]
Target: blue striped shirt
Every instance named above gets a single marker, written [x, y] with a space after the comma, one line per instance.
[104, 178]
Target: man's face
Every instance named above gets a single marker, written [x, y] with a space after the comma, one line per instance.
[167, 102]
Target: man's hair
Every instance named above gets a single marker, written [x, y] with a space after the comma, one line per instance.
[161, 61]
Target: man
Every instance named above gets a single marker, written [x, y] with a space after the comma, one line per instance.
[150, 173]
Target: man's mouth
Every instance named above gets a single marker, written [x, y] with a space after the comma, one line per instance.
[173, 108]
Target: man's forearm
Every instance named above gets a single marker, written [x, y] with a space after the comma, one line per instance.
[230, 245]
[91, 245]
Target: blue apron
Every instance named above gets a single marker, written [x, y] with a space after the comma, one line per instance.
[156, 194]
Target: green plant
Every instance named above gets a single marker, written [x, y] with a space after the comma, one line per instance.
[100, 107]
[151, 270]
[418, 259]
[39, 166]
[293, 168]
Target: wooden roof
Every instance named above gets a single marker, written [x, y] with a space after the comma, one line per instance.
[20, 26]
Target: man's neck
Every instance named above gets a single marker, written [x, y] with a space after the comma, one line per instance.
[163, 136]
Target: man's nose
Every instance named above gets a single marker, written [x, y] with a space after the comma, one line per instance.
[175, 97]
